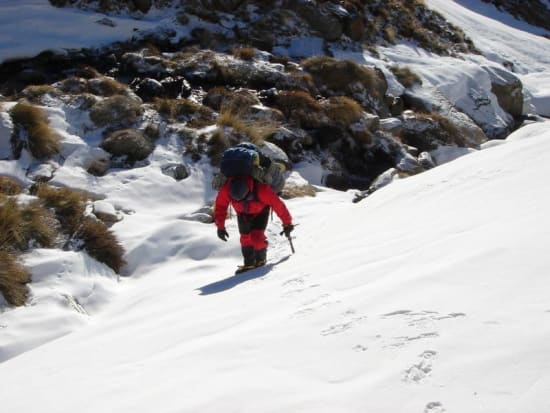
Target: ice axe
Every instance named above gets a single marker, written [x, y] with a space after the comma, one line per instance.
[289, 238]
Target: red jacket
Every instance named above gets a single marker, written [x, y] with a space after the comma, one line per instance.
[264, 195]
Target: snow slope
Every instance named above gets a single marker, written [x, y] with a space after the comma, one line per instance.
[430, 295]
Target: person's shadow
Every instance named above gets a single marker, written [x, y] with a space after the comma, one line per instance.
[237, 279]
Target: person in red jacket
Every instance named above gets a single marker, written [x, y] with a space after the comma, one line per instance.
[251, 200]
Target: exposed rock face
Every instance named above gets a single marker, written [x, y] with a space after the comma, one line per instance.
[508, 89]
[325, 18]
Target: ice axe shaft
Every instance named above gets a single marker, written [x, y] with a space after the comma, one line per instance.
[291, 244]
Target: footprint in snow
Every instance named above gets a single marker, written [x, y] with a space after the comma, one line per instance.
[434, 407]
[419, 371]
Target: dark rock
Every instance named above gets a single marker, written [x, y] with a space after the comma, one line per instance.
[129, 143]
[148, 89]
[176, 171]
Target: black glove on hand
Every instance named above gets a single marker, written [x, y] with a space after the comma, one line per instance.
[222, 234]
[287, 229]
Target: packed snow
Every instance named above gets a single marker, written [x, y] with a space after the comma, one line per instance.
[430, 295]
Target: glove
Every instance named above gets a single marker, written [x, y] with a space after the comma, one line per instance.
[222, 234]
[287, 229]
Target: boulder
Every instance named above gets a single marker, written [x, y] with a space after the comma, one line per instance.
[129, 143]
[507, 87]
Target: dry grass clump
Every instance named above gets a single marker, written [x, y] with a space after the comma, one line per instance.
[294, 191]
[296, 100]
[244, 53]
[242, 129]
[13, 279]
[97, 239]
[19, 225]
[116, 111]
[337, 75]
[34, 93]
[300, 108]
[184, 110]
[69, 205]
[106, 86]
[41, 226]
[343, 111]
[42, 141]
[9, 186]
[101, 243]
[218, 143]
[454, 135]
[12, 227]
[406, 76]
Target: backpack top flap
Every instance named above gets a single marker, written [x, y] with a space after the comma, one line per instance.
[238, 161]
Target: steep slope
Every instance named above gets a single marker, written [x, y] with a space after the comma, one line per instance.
[418, 299]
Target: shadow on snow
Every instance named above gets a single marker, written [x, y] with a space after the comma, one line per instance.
[234, 280]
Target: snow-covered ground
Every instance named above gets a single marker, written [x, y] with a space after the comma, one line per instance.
[430, 295]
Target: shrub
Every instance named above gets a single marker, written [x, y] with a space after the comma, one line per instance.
[116, 111]
[101, 243]
[42, 141]
[9, 186]
[406, 76]
[13, 279]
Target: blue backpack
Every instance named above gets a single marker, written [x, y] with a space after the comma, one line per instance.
[246, 159]
[239, 161]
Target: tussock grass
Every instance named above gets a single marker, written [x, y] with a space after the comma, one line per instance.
[343, 111]
[12, 227]
[241, 129]
[13, 279]
[300, 108]
[107, 86]
[69, 205]
[218, 143]
[9, 186]
[196, 114]
[34, 93]
[21, 224]
[116, 110]
[406, 76]
[244, 53]
[296, 100]
[101, 243]
[42, 141]
[455, 137]
[40, 224]
[337, 75]
[290, 192]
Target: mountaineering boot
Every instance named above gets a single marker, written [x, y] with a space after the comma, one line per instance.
[249, 260]
[261, 257]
